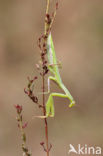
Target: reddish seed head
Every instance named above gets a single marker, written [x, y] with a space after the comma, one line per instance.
[34, 99]
[48, 16]
[45, 37]
[39, 39]
[25, 125]
[44, 45]
[42, 143]
[57, 5]
[18, 108]
[25, 91]
[42, 54]
[45, 62]
[31, 81]
[35, 78]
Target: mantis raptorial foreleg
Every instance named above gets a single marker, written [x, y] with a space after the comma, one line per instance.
[50, 78]
[48, 82]
[50, 104]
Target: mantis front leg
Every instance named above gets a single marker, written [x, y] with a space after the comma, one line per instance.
[50, 104]
[48, 82]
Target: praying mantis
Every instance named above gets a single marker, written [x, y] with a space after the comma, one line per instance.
[54, 70]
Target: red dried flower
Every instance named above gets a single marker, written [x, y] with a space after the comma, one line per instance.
[18, 108]
[25, 125]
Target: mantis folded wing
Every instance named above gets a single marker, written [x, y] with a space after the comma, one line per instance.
[53, 68]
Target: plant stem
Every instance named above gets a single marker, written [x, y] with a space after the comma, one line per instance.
[47, 10]
[45, 120]
[43, 82]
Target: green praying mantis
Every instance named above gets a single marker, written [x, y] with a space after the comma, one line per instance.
[54, 70]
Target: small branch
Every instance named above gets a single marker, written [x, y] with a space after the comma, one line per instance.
[43, 83]
[22, 126]
[47, 10]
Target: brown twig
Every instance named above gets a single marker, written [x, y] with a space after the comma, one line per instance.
[43, 82]
[22, 126]
[43, 48]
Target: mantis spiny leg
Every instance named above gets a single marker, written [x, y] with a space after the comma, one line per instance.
[50, 103]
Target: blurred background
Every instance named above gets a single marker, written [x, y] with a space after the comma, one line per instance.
[78, 40]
